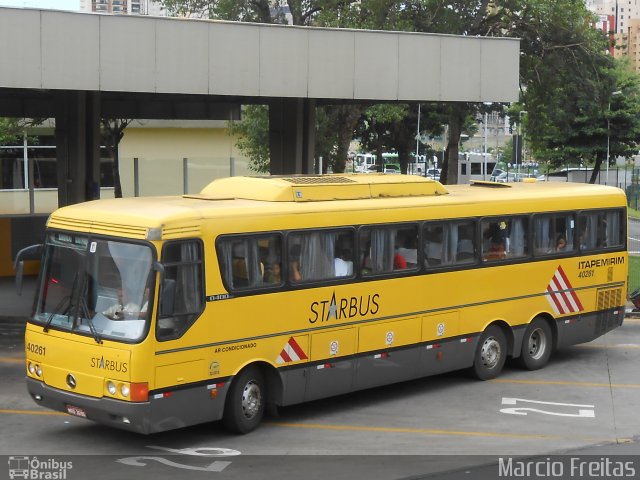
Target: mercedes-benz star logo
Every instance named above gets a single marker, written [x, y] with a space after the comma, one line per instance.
[71, 381]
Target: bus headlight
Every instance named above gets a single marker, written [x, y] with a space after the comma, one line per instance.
[38, 371]
[32, 368]
[124, 390]
[111, 388]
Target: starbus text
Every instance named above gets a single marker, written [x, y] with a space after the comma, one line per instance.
[342, 308]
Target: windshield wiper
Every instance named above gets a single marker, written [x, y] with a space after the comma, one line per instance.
[55, 311]
[92, 327]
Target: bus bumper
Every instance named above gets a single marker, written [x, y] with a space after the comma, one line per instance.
[160, 413]
[587, 327]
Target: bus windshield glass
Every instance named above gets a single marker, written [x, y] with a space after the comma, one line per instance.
[95, 287]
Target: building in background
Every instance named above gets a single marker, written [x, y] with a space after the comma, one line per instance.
[123, 7]
[622, 11]
[621, 20]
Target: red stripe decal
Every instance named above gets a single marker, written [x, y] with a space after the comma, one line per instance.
[285, 356]
[296, 348]
[574, 295]
[552, 295]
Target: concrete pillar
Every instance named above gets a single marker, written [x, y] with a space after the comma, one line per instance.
[92, 145]
[292, 135]
[77, 146]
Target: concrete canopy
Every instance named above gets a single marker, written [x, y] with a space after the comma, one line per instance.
[80, 66]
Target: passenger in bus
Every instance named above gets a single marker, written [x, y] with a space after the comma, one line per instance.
[496, 250]
[601, 236]
[399, 262]
[410, 253]
[294, 264]
[561, 243]
[494, 247]
[274, 274]
[343, 263]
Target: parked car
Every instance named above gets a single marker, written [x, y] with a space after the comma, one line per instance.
[494, 175]
[434, 173]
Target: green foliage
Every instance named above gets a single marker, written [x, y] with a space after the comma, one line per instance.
[10, 131]
[253, 136]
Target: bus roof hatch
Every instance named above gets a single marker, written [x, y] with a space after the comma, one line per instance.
[310, 188]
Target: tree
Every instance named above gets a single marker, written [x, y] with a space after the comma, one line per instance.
[10, 131]
[253, 133]
[112, 133]
[567, 79]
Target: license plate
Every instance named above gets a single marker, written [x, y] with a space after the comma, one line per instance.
[77, 411]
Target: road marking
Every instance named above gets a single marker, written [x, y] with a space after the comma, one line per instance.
[11, 360]
[31, 412]
[568, 384]
[431, 431]
[583, 411]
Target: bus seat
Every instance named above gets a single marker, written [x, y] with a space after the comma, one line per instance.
[239, 265]
[465, 249]
[168, 297]
[434, 253]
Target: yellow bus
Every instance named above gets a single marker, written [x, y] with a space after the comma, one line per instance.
[159, 313]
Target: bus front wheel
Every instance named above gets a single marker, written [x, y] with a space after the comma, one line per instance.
[536, 345]
[245, 404]
[491, 354]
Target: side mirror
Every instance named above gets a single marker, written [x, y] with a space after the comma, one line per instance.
[18, 265]
[158, 267]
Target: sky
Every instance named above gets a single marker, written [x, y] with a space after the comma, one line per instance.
[48, 4]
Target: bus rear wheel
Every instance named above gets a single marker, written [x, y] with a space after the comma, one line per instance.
[245, 404]
[536, 345]
[491, 354]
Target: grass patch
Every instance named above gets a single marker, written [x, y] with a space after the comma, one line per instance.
[633, 213]
[634, 273]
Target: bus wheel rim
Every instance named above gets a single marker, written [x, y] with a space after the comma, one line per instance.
[251, 399]
[537, 344]
[490, 353]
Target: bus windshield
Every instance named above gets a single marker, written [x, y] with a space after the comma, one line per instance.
[95, 287]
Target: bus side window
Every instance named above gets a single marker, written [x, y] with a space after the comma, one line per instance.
[601, 229]
[250, 261]
[504, 238]
[553, 234]
[450, 243]
[182, 288]
[389, 249]
[320, 255]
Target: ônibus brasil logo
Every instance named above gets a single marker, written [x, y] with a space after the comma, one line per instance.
[37, 468]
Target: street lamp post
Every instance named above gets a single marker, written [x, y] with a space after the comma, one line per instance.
[520, 113]
[444, 143]
[417, 162]
[484, 153]
[617, 92]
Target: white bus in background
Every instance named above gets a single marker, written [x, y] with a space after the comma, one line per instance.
[363, 162]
